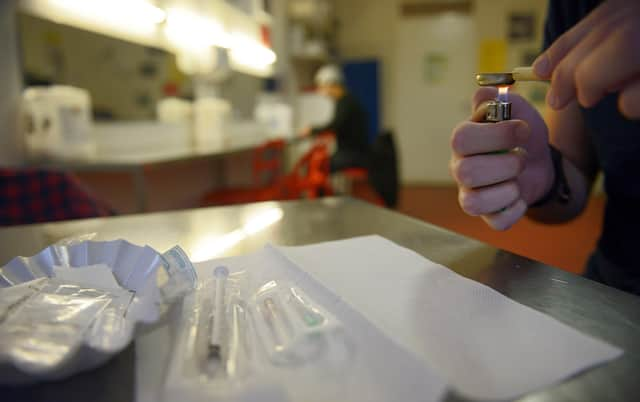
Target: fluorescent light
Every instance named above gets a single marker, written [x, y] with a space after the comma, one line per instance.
[182, 30]
[250, 53]
[187, 30]
[192, 36]
[134, 16]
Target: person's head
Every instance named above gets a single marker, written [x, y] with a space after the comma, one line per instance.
[330, 81]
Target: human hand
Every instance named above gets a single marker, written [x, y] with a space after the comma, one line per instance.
[499, 186]
[599, 55]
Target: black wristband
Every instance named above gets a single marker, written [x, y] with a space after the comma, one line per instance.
[560, 190]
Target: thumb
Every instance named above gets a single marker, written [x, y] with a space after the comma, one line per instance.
[482, 95]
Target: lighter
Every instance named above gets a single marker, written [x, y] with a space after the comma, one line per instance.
[499, 109]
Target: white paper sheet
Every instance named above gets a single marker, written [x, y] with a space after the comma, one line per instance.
[485, 344]
[380, 370]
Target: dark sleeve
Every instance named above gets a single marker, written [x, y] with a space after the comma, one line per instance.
[562, 15]
[340, 116]
[554, 25]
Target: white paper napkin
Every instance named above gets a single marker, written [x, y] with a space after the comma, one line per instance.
[485, 344]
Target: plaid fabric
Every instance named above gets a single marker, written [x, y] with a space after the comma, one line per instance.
[32, 196]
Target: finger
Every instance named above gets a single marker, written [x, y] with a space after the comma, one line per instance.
[546, 63]
[482, 95]
[480, 114]
[484, 170]
[629, 100]
[488, 200]
[615, 61]
[470, 138]
[503, 220]
[563, 81]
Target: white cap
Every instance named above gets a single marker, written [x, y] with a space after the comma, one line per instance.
[330, 74]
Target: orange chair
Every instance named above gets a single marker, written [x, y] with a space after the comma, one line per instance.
[268, 162]
[310, 175]
[309, 178]
[267, 169]
[358, 178]
[360, 187]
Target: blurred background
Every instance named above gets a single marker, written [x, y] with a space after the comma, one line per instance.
[169, 104]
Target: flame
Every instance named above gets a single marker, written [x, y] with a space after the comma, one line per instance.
[503, 93]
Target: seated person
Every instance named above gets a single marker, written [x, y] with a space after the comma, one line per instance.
[349, 123]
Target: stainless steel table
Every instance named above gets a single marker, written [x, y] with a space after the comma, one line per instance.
[603, 312]
[138, 166]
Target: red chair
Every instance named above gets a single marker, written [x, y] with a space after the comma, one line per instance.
[360, 187]
[357, 178]
[310, 175]
[309, 178]
[268, 162]
[356, 174]
[267, 169]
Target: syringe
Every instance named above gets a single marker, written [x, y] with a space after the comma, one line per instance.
[215, 340]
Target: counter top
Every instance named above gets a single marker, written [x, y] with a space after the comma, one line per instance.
[603, 312]
[128, 162]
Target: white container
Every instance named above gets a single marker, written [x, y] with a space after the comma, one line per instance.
[210, 123]
[57, 123]
[314, 110]
[275, 116]
[174, 110]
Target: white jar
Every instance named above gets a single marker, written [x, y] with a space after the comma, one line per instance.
[174, 110]
[56, 123]
[275, 116]
[210, 123]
